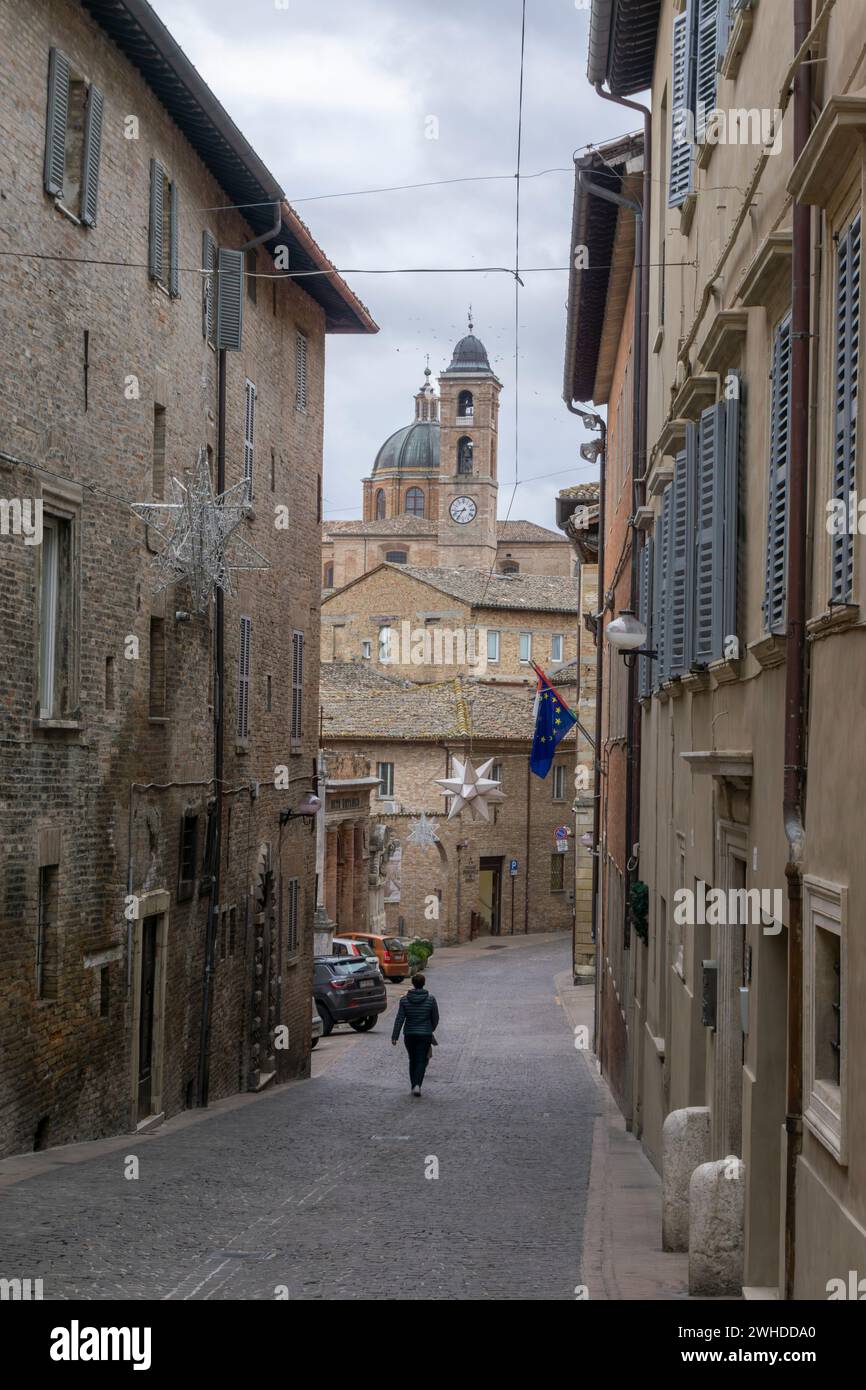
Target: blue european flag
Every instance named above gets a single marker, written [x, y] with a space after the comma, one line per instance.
[553, 719]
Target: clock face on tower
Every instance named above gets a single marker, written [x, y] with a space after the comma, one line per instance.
[463, 509]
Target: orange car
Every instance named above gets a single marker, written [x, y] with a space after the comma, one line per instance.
[391, 953]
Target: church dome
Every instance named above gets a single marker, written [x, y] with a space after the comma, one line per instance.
[470, 355]
[413, 449]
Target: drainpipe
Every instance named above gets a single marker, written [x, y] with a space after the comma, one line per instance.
[795, 670]
[633, 734]
[203, 1077]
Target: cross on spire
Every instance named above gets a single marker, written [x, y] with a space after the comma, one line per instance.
[470, 318]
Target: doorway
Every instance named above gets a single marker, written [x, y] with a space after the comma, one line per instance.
[490, 895]
[145, 1017]
[149, 943]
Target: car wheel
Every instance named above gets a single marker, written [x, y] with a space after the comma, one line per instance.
[327, 1021]
[363, 1025]
[397, 979]
[314, 1042]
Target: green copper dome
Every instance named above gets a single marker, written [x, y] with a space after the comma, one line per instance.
[413, 449]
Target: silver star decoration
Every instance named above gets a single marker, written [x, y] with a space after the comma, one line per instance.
[471, 788]
[423, 832]
[197, 528]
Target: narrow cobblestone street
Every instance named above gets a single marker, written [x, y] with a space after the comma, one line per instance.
[320, 1186]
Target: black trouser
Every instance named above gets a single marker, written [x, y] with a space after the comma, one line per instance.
[417, 1045]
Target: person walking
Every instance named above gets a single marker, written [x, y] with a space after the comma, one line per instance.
[417, 1016]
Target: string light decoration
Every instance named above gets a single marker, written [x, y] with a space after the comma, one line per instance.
[423, 832]
[471, 788]
[197, 527]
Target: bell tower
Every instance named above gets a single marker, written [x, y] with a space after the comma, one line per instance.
[468, 436]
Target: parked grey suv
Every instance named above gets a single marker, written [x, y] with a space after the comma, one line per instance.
[348, 990]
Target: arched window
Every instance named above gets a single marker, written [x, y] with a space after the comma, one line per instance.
[380, 505]
[464, 454]
[414, 502]
[329, 576]
[509, 567]
[396, 557]
[465, 405]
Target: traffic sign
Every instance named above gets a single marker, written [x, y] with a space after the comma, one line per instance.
[512, 866]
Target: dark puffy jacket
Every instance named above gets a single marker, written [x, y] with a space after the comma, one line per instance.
[418, 1013]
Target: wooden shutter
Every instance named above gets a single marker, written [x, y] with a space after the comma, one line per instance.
[777, 507]
[679, 643]
[297, 725]
[208, 286]
[155, 240]
[646, 614]
[90, 157]
[680, 175]
[845, 436]
[55, 122]
[230, 300]
[709, 522]
[301, 400]
[244, 678]
[734, 426]
[174, 223]
[249, 435]
[706, 23]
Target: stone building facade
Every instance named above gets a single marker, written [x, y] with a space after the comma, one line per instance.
[110, 940]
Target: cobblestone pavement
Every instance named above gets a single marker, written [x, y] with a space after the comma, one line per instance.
[318, 1189]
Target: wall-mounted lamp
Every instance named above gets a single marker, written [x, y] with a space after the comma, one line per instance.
[309, 805]
[591, 450]
[628, 636]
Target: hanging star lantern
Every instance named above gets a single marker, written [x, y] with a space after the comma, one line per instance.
[423, 832]
[197, 528]
[471, 788]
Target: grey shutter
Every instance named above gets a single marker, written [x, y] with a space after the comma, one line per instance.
[664, 576]
[55, 122]
[709, 521]
[208, 291]
[297, 687]
[706, 24]
[680, 175]
[90, 157]
[230, 299]
[845, 437]
[244, 678]
[777, 504]
[646, 614]
[155, 246]
[679, 644]
[734, 424]
[174, 223]
[249, 435]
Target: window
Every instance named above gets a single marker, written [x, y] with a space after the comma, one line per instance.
[252, 282]
[329, 575]
[557, 873]
[56, 620]
[230, 299]
[380, 504]
[293, 917]
[164, 230]
[318, 497]
[385, 773]
[509, 567]
[297, 733]
[300, 372]
[556, 643]
[158, 464]
[188, 857]
[104, 991]
[496, 774]
[73, 139]
[559, 782]
[274, 475]
[825, 1022]
[47, 933]
[385, 644]
[157, 668]
[492, 646]
[109, 682]
[244, 656]
[396, 557]
[250, 395]
[366, 650]
[526, 646]
[464, 454]
[846, 371]
[415, 502]
[208, 286]
[465, 405]
[777, 504]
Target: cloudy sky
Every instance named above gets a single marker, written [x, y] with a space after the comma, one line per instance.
[337, 96]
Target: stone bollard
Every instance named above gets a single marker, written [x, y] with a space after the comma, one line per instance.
[685, 1145]
[716, 1207]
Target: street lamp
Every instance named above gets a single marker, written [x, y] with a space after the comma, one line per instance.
[627, 634]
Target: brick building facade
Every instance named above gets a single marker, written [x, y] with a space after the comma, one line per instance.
[110, 391]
